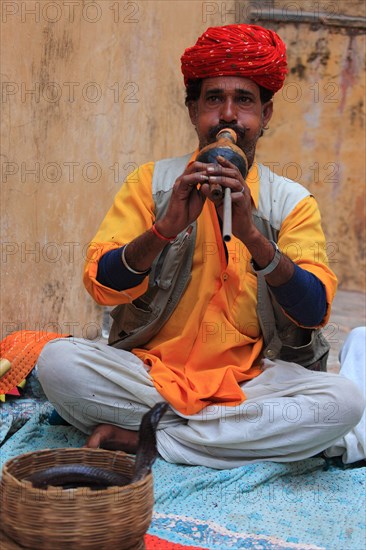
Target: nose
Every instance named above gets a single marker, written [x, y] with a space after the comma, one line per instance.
[228, 111]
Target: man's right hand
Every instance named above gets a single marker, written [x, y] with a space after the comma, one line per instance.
[185, 205]
[186, 201]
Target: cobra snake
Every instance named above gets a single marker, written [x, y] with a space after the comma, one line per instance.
[80, 475]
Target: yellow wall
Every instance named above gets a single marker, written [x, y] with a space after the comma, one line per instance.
[92, 89]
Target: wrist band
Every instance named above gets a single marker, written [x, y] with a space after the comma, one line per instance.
[160, 236]
[272, 265]
[127, 266]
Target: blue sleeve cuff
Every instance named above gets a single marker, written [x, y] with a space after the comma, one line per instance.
[113, 274]
[303, 297]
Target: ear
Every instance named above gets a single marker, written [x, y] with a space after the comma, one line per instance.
[193, 112]
[267, 112]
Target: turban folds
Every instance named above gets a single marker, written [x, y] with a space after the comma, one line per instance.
[237, 50]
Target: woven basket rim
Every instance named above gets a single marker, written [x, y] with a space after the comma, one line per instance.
[9, 477]
[57, 450]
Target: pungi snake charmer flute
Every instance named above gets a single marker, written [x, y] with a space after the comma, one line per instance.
[225, 146]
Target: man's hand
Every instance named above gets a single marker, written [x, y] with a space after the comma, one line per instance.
[186, 201]
[185, 205]
[108, 436]
[227, 174]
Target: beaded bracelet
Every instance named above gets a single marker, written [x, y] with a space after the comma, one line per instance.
[160, 236]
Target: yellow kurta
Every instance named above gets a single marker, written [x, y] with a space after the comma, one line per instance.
[212, 341]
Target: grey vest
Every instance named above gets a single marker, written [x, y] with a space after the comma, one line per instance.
[135, 324]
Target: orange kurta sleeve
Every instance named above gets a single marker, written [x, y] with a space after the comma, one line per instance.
[131, 214]
[302, 239]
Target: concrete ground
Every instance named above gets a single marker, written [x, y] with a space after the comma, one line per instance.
[348, 312]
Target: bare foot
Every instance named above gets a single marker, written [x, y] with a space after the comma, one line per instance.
[108, 436]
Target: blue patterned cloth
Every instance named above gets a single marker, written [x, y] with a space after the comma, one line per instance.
[16, 411]
[265, 506]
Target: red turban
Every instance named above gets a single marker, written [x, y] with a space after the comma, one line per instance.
[238, 50]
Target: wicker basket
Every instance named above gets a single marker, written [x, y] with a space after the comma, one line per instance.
[56, 518]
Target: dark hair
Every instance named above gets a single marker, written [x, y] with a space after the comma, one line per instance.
[193, 91]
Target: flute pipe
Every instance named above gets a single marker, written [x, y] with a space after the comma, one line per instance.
[227, 217]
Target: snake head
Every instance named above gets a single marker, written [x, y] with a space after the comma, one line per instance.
[147, 451]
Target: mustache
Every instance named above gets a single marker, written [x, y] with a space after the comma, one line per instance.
[240, 132]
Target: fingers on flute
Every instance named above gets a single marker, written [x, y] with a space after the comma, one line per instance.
[197, 167]
[192, 180]
[233, 183]
[225, 162]
[218, 171]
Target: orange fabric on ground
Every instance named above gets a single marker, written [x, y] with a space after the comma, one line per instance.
[153, 542]
[21, 349]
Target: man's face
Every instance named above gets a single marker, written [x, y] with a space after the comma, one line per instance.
[230, 102]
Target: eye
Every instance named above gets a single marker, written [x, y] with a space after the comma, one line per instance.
[213, 99]
[245, 99]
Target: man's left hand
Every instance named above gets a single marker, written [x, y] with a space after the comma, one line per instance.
[226, 174]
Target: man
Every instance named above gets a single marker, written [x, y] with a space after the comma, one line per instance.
[187, 328]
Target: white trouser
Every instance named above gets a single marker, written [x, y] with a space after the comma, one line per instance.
[290, 413]
[352, 357]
